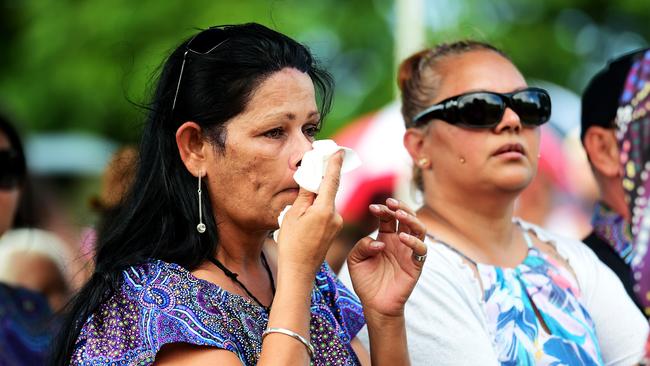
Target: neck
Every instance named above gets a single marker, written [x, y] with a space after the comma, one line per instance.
[240, 250]
[480, 225]
[613, 196]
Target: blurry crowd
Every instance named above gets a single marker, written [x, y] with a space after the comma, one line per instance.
[39, 270]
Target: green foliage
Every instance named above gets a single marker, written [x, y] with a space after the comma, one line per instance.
[85, 65]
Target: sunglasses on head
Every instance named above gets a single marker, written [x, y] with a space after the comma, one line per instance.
[11, 171]
[486, 109]
[202, 43]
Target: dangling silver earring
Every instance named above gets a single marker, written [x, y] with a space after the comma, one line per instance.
[201, 226]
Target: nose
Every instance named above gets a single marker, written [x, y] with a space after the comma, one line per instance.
[302, 145]
[510, 121]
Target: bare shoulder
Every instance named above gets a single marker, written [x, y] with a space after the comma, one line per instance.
[189, 355]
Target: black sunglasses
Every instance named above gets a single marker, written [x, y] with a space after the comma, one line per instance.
[486, 109]
[202, 43]
[12, 172]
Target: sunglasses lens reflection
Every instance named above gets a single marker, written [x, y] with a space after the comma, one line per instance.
[532, 106]
[481, 109]
[486, 109]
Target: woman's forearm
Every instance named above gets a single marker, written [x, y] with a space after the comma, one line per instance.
[291, 311]
[387, 339]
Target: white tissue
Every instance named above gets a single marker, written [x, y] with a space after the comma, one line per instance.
[314, 163]
[280, 218]
[312, 168]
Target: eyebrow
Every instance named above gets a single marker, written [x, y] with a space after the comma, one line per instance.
[292, 116]
[492, 91]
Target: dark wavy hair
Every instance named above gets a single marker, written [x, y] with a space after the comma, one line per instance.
[220, 67]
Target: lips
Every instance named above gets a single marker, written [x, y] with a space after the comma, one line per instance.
[291, 189]
[510, 148]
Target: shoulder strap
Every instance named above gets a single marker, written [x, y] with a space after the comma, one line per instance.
[452, 249]
[529, 241]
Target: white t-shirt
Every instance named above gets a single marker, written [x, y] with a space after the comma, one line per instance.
[446, 323]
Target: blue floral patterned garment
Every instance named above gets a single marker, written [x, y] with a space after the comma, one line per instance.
[511, 298]
[26, 327]
[161, 303]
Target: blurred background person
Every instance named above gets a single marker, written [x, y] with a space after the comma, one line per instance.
[116, 182]
[25, 316]
[616, 137]
[29, 257]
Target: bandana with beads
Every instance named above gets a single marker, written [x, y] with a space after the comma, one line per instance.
[633, 135]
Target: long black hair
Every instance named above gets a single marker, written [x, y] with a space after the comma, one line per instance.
[208, 79]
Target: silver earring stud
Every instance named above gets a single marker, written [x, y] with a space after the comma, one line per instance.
[201, 226]
[423, 162]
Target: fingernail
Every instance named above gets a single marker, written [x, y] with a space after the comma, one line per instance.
[392, 201]
[402, 213]
[404, 236]
[375, 207]
[376, 244]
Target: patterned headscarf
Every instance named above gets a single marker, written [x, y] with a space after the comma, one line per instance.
[633, 135]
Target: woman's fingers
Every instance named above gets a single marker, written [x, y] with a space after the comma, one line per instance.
[387, 220]
[304, 200]
[395, 212]
[365, 248]
[331, 180]
[395, 204]
[410, 224]
[411, 230]
[417, 246]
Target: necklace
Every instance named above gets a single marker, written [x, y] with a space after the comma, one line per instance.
[233, 276]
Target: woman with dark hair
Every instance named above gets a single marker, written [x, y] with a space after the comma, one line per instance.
[25, 316]
[185, 273]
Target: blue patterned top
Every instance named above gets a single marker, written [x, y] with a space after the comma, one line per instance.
[26, 327]
[513, 297]
[161, 303]
[539, 283]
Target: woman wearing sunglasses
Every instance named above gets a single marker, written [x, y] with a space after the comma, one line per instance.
[495, 289]
[185, 273]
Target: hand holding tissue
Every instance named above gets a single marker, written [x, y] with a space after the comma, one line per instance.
[310, 172]
[313, 165]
